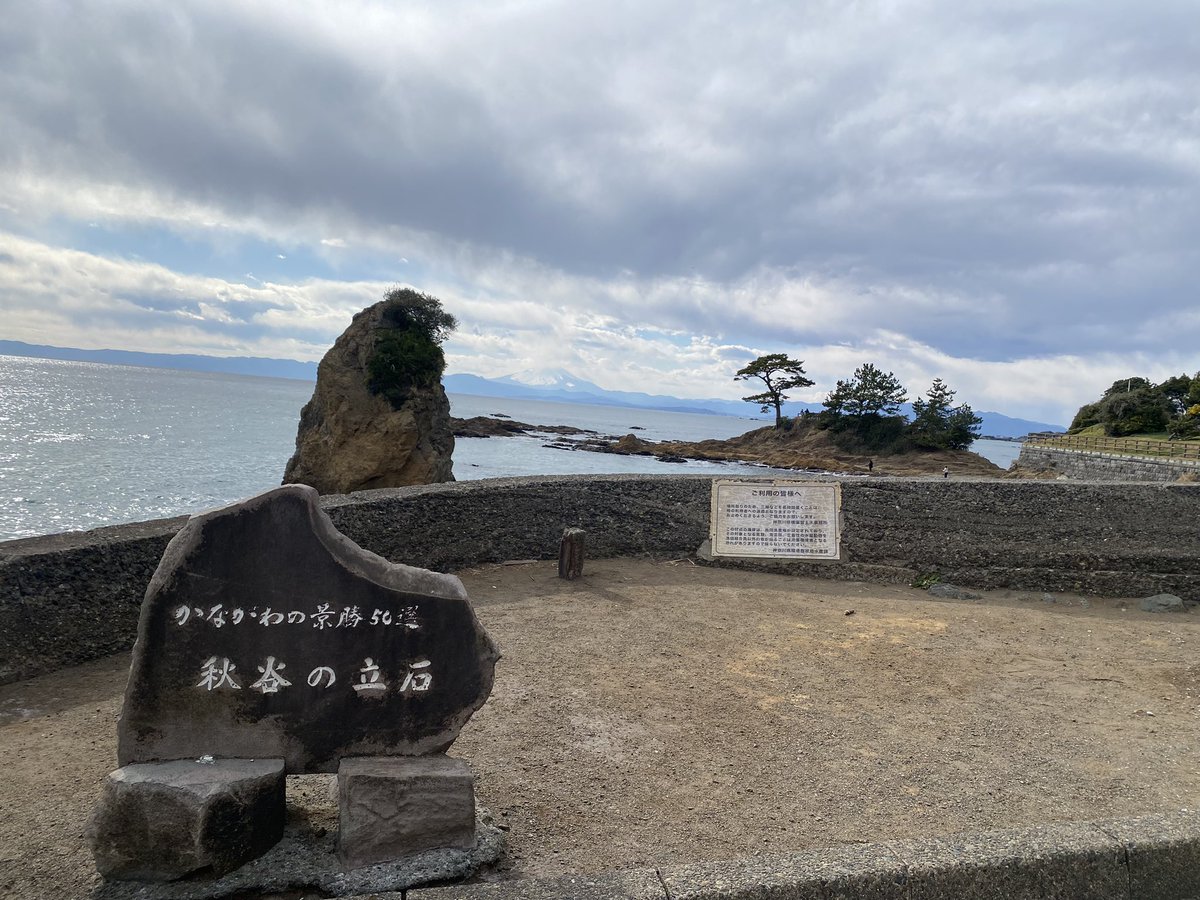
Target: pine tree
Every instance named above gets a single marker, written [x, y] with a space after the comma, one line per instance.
[779, 374]
[870, 392]
[939, 425]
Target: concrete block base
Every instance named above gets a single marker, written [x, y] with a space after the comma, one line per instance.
[164, 821]
[392, 807]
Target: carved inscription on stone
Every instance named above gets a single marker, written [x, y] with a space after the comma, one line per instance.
[266, 633]
[780, 519]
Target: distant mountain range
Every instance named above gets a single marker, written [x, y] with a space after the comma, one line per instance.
[564, 387]
[543, 384]
[230, 365]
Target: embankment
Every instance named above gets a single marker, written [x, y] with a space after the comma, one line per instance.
[73, 597]
[1088, 465]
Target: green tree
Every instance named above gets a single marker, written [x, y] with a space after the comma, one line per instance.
[939, 425]
[863, 412]
[1176, 389]
[407, 352]
[1142, 410]
[835, 403]
[1088, 415]
[870, 392]
[1126, 385]
[1187, 426]
[1137, 406]
[779, 373]
[931, 415]
[964, 427]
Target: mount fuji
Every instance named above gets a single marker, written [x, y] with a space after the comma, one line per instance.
[565, 387]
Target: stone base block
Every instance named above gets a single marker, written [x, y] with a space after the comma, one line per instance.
[391, 807]
[163, 821]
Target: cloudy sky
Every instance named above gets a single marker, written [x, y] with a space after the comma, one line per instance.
[646, 193]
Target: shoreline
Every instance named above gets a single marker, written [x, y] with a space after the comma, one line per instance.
[809, 451]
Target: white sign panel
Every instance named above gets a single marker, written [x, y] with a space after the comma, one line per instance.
[776, 519]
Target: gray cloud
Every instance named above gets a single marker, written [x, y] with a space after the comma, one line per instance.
[1017, 181]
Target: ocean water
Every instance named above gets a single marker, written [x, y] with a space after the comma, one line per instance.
[85, 444]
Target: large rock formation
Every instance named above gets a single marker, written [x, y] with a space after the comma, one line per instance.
[351, 439]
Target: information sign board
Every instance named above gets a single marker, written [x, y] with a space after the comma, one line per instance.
[779, 519]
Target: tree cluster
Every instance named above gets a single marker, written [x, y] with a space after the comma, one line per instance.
[940, 425]
[1136, 405]
[407, 352]
[864, 413]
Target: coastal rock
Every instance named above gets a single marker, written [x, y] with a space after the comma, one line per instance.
[952, 592]
[506, 426]
[632, 445]
[351, 439]
[803, 447]
[1162, 603]
[486, 427]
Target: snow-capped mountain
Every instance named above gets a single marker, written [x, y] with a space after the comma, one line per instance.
[551, 379]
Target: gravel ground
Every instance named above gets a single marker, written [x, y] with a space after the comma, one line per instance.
[656, 713]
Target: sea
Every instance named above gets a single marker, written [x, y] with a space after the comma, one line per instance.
[84, 445]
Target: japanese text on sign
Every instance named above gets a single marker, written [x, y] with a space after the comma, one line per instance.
[777, 520]
[220, 673]
[325, 616]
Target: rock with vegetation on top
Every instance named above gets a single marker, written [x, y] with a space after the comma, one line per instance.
[379, 416]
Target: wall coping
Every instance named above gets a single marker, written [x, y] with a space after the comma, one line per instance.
[156, 528]
[1156, 856]
[151, 528]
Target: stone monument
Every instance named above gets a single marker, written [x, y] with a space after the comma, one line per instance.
[270, 644]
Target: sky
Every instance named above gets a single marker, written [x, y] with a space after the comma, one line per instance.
[648, 194]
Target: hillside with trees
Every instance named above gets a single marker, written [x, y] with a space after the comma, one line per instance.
[862, 413]
[861, 425]
[1137, 406]
[861, 428]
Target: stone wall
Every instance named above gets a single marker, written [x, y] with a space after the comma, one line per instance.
[1086, 465]
[65, 599]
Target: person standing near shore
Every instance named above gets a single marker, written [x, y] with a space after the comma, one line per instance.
[945, 471]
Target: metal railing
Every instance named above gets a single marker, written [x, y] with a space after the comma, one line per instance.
[1126, 446]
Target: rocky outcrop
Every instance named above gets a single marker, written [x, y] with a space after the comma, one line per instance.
[351, 439]
[487, 426]
[809, 449]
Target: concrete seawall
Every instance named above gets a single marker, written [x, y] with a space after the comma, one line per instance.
[65, 599]
[1089, 465]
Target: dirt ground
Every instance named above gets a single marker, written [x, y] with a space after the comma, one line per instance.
[656, 712]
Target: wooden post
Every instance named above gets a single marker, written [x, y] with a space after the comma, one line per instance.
[570, 554]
